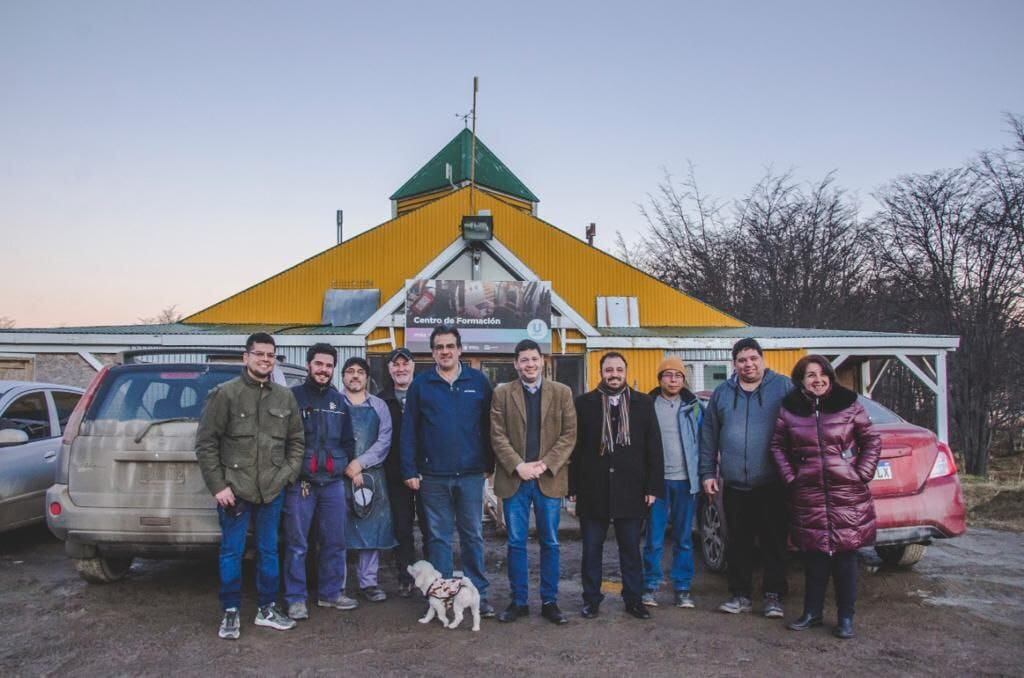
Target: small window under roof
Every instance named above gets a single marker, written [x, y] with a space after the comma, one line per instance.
[349, 307]
[618, 312]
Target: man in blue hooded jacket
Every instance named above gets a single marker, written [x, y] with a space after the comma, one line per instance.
[735, 440]
[446, 451]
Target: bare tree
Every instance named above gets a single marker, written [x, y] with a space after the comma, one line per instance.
[948, 244]
[6, 322]
[786, 255]
[167, 316]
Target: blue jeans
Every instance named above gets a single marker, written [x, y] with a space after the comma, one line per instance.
[677, 507]
[327, 503]
[547, 512]
[452, 502]
[233, 531]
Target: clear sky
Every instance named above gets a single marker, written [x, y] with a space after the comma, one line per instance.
[157, 153]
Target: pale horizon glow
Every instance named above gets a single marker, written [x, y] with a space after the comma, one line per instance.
[159, 154]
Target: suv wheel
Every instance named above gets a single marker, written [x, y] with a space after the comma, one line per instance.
[901, 555]
[712, 535]
[102, 570]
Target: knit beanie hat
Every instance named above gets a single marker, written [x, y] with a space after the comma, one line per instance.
[671, 363]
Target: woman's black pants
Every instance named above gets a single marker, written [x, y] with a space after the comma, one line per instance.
[817, 569]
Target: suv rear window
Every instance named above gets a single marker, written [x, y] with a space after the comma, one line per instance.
[158, 391]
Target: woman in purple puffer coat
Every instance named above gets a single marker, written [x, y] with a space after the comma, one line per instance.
[826, 451]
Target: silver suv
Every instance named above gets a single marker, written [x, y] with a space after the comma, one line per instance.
[127, 481]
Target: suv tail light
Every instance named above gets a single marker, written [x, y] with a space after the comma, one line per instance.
[75, 423]
[75, 420]
[944, 464]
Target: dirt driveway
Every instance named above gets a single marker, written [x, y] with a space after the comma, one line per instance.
[961, 611]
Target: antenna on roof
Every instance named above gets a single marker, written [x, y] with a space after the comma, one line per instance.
[472, 154]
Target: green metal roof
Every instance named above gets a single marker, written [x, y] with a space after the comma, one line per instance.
[490, 172]
[741, 332]
[187, 328]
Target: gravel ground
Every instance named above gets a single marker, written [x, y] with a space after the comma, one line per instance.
[960, 611]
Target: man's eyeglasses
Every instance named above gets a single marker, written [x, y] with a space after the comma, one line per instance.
[669, 374]
[261, 354]
[445, 347]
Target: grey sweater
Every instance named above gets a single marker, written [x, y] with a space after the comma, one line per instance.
[737, 432]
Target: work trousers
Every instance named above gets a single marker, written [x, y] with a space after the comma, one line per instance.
[843, 569]
[758, 515]
[406, 509]
[327, 504]
[627, 534]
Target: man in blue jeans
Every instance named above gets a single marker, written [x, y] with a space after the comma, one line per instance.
[249, 446]
[533, 431]
[679, 418]
[446, 451]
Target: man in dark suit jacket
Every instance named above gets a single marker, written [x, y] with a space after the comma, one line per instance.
[533, 431]
[615, 474]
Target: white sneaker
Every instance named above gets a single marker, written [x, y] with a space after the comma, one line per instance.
[269, 616]
[230, 626]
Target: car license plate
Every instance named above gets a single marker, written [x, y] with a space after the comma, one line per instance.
[162, 472]
[883, 471]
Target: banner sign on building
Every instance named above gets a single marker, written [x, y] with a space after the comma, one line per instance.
[491, 316]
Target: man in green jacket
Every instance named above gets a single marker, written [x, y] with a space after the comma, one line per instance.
[249, 446]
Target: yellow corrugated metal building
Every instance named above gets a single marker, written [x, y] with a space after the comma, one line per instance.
[424, 239]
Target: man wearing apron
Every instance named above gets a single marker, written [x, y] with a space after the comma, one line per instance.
[369, 528]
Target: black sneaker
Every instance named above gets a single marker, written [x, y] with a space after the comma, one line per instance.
[513, 612]
[230, 626]
[773, 606]
[551, 612]
[486, 609]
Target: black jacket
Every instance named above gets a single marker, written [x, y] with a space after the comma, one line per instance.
[393, 462]
[613, 485]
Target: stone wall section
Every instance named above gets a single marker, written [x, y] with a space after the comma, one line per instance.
[63, 368]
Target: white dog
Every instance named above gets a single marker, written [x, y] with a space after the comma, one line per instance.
[443, 594]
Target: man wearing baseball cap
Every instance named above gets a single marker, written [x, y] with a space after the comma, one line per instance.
[679, 418]
[405, 504]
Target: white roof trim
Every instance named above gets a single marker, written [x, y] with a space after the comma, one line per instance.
[112, 343]
[906, 344]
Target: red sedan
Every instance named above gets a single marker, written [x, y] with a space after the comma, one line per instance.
[916, 490]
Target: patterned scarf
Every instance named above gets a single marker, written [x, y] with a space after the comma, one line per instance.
[611, 398]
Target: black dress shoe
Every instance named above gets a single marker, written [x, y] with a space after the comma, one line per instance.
[590, 611]
[551, 612]
[804, 622]
[513, 612]
[638, 610]
[845, 628]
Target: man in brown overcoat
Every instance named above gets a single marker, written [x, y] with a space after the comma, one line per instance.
[533, 431]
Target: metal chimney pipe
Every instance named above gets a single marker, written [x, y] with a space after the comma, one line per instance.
[340, 219]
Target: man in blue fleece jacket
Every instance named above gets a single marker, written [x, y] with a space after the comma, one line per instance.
[446, 451]
[735, 439]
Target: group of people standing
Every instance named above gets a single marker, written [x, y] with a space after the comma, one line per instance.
[795, 452]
